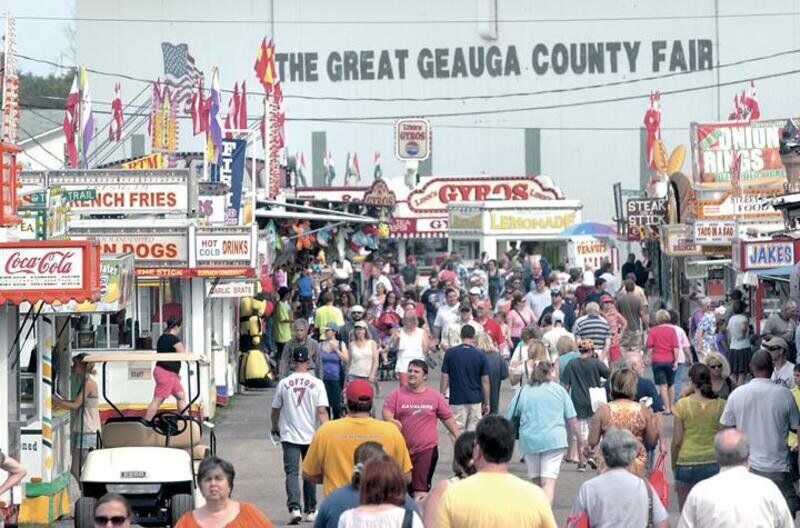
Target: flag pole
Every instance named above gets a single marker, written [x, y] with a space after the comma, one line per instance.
[81, 157]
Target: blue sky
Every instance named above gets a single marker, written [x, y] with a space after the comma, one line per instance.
[30, 33]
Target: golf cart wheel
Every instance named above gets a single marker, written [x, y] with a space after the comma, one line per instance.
[84, 512]
[180, 504]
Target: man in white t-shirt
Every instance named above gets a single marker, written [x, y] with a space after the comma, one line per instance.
[300, 405]
[446, 315]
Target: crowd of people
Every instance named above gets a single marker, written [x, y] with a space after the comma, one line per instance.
[574, 345]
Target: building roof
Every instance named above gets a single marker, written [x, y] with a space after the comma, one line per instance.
[40, 121]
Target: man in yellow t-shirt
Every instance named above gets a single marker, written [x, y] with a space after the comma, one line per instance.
[327, 313]
[494, 498]
[330, 456]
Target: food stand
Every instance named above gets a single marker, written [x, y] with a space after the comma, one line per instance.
[33, 273]
[764, 268]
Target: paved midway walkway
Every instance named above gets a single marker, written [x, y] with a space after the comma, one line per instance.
[242, 438]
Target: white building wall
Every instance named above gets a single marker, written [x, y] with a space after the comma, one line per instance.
[585, 148]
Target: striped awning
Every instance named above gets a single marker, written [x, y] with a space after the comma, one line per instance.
[427, 234]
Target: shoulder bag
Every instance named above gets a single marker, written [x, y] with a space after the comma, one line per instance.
[516, 418]
[527, 323]
[408, 519]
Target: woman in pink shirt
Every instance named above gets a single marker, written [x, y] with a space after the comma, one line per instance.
[519, 316]
[663, 350]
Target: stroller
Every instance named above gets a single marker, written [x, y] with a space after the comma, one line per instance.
[387, 360]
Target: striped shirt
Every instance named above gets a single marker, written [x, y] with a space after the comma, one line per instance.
[592, 327]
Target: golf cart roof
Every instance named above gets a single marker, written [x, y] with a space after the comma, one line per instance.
[118, 357]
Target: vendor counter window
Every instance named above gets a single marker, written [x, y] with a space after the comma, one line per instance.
[428, 251]
[158, 301]
[468, 249]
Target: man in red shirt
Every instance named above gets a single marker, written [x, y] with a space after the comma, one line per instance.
[491, 326]
[415, 409]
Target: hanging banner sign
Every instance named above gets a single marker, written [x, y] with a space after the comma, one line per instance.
[752, 204]
[756, 142]
[223, 247]
[231, 172]
[170, 249]
[678, 240]
[153, 161]
[714, 232]
[436, 193]
[226, 289]
[412, 139]
[644, 216]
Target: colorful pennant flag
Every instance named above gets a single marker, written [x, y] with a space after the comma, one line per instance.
[199, 110]
[87, 117]
[71, 123]
[265, 65]
[652, 123]
[377, 173]
[232, 119]
[300, 161]
[117, 121]
[242, 122]
[214, 133]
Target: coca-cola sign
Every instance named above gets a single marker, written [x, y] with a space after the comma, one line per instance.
[37, 268]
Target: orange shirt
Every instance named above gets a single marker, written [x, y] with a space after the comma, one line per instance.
[249, 517]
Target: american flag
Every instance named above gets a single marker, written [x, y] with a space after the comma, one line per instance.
[180, 72]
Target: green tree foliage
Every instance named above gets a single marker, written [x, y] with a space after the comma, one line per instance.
[44, 92]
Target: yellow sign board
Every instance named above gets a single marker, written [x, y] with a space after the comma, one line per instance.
[554, 222]
[153, 161]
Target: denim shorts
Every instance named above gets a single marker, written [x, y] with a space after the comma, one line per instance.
[693, 474]
[663, 374]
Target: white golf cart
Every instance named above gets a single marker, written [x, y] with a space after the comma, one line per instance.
[152, 464]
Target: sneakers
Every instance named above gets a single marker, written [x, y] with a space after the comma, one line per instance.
[310, 516]
[592, 462]
[295, 516]
[581, 468]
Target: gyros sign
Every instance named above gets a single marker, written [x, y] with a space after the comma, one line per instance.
[437, 193]
[40, 268]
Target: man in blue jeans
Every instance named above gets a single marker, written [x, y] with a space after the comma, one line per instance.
[300, 405]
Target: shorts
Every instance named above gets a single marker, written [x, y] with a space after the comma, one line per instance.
[423, 467]
[631, 341]
[663, 374]
[467, 415]
[545, 464]
[692, 474]
[585, 425]
[740, 360]
[83, 441]
[168, 383]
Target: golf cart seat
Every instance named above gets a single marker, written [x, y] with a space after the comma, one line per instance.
[184, 440]
[130, 431]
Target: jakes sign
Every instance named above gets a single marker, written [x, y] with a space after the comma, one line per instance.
[435, 194]
[757, 143]
[765, 255]
[644, 216]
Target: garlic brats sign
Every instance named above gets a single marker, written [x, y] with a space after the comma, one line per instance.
[714, 146]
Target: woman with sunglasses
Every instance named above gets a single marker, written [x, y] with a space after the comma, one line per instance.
[695, 425]
[720, 375]
[112, 510]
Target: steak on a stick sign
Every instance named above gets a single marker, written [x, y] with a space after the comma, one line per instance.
[644, 216]
[714, 146]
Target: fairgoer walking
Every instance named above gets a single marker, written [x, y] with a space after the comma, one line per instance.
[299, 406]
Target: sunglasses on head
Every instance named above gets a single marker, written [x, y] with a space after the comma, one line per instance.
[116, 520]
[774, 348]
[715, 366]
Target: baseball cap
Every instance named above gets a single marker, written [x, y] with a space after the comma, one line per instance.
[774, 341]
[356, 308]
[555, 292]
[359, 390]
[332, 326]
[300, 354]
[360, 324]
[558, 316]
[447, 276]
[606, 298]
[474, 291]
